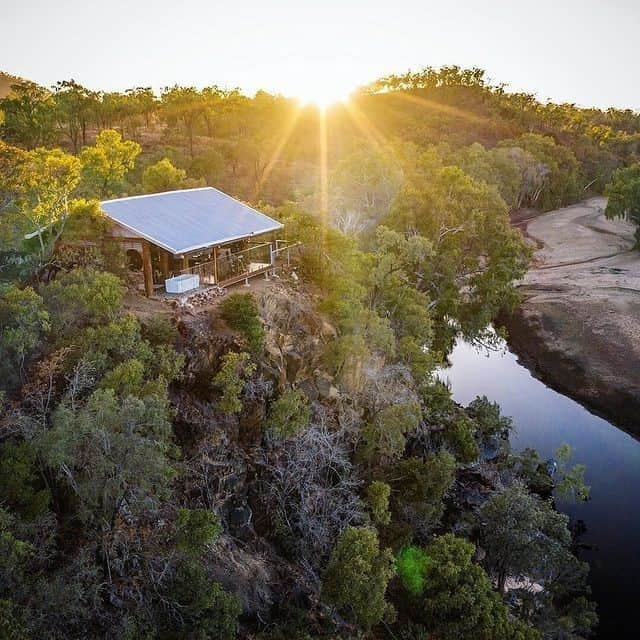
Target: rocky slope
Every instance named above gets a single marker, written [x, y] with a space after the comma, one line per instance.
[579, 325]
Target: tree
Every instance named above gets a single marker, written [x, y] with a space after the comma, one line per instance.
[362, 187]
[524, 536]
[494, 167]
[163, 176]
[240, 312]
[421, 486]
[40, 193]
[289, 414]
[357, 575]
[487, 417]
[562, 183]
[111, 452]
[231, 379]
[29, 116]
[195, 529]
[23, 320]
[210, 611]
[476, 256]
[377, 497]
[81, 298]
[105, 165]
[183, 105]
[458, 602]
[74, 105]
[571, 483]
[384, 436]
[623, 193]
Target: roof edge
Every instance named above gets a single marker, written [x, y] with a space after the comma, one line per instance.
[162, 193]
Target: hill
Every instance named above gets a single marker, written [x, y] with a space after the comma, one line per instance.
[6, 80]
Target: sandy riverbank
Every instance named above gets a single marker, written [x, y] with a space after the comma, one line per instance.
[579, 325]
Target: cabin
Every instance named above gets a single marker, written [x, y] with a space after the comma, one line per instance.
[182, 240]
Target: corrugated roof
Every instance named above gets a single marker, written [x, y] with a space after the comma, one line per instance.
[186, 220]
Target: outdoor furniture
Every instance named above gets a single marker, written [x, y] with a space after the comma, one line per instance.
[182, 283]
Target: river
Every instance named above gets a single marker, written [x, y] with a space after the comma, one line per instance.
[544, 419]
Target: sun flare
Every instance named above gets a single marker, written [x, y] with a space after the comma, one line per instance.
[323, 95]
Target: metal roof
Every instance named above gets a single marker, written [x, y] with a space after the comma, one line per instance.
[181, 221]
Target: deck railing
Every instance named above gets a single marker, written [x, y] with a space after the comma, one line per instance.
[233, 266]
[283, 252]
[239, 264]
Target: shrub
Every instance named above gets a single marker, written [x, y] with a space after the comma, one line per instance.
[19, 480]
[159, 330]
[459, 435]
[488, 417]
[384, 437]
[240, 312]
[23, 319]
[289, 414]
[231, 379]
[209, 611]
[377, 497]
[357, 576]
[411, 564]
[82, 297]
[195, 529]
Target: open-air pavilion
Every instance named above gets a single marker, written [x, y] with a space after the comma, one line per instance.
[184, 239]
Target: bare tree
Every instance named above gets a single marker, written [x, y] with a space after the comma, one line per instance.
[311, 489]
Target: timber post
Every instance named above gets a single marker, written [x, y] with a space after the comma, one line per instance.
[147, 269]
[164, 263]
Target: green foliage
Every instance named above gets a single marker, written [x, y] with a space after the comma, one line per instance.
[422, 484]
[487, 416]
[11, 625]
[356, 577]
[560, 175]
[20, 486]
[29, 119]
[523, 535]
[195, 529]
[240, 312]
[471, 241]
[533, 471]
[159, 330]
[163, 176]
[81, 298]
[37, 186]
[23, 319]
[210, 611]
[231, 378]
[494, 167]
[384, 437]
[571, 484]
[377, 496]
[459, 434]
[126, 378]
[112, 451]
[411, 566]
[623, 193]
[289, 414]
[107, 346]
[105, 165]
[458, 601]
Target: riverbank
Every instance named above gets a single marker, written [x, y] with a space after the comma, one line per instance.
[578, 327]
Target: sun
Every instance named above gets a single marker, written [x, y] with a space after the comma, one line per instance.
[323, 94]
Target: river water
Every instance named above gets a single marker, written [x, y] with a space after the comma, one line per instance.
[544, 419]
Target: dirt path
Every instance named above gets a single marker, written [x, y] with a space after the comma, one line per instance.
[579, 325]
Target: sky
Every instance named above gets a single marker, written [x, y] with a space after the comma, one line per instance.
[581, 51]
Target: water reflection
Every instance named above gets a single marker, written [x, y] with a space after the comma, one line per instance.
[545, 419]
